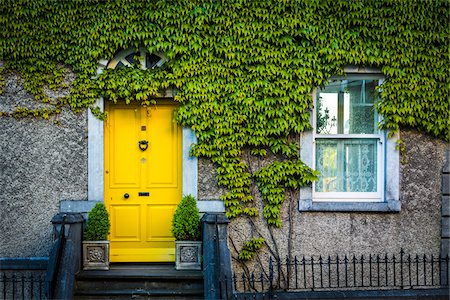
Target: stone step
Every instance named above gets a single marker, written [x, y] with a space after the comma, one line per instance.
[139, 294]
[139, 281]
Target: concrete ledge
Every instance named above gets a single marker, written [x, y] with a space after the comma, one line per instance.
[391, 206]
[24, 263]
[215, 206]
[76, 206]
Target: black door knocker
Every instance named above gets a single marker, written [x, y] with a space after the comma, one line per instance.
[143, 145]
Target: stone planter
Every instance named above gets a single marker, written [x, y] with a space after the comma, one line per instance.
[95, 255]
[188, 255]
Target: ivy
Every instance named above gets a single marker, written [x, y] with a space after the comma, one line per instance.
[250, 248]
[244, 71]
[131, 84]
[275, 179]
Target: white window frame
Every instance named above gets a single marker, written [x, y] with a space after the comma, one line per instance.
[352, 196]
[388, 162]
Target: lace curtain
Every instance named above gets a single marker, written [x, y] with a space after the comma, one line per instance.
[346, 165]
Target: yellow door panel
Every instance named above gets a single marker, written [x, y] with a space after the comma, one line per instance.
[163, 164]
[126, 220]
[159, 225]
[124, 160]
[142, 186]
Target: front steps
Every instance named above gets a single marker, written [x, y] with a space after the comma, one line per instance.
[139, 281]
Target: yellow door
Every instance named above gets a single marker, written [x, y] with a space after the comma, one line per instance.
[142, 180]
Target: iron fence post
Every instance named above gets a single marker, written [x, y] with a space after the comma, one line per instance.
[424, 269]
[270, 278]
[393, 267]
[296, 272]
[401, 268]
[337, 271]
[312, 273]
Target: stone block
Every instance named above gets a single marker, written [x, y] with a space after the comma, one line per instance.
[446, 184]
[445, 247]
[447, 162]
[445, 233]
[445, 206]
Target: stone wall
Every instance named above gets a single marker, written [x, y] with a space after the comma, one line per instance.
[41, 163]
[416, 228]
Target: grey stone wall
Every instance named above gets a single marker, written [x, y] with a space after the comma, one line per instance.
[207, 183]
[416, 228]
[41, 163]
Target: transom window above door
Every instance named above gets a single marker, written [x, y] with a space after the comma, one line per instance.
[141, 56]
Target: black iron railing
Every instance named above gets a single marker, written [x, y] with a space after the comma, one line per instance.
[371, 272]
[22, 286]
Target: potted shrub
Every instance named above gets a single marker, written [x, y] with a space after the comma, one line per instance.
[95, 239]
[186, 230]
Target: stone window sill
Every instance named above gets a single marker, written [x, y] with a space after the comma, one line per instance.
[390, 206]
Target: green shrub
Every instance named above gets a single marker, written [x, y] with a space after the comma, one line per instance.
[186, 220]
[98, 224]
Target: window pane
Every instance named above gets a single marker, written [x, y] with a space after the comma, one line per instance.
[133, 58]
[347, 107]
[151, 60]
[346, 165]
[327, 113]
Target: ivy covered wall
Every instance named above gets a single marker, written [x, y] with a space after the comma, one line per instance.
[244, 71]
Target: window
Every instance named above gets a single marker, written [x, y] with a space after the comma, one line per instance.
[359, 165]
[348, 144]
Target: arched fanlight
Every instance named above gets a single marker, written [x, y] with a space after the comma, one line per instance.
[129, 57]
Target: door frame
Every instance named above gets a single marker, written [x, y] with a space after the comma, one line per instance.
[96, 164]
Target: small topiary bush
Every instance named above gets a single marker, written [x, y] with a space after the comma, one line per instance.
[98, 224]
[186, 220]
